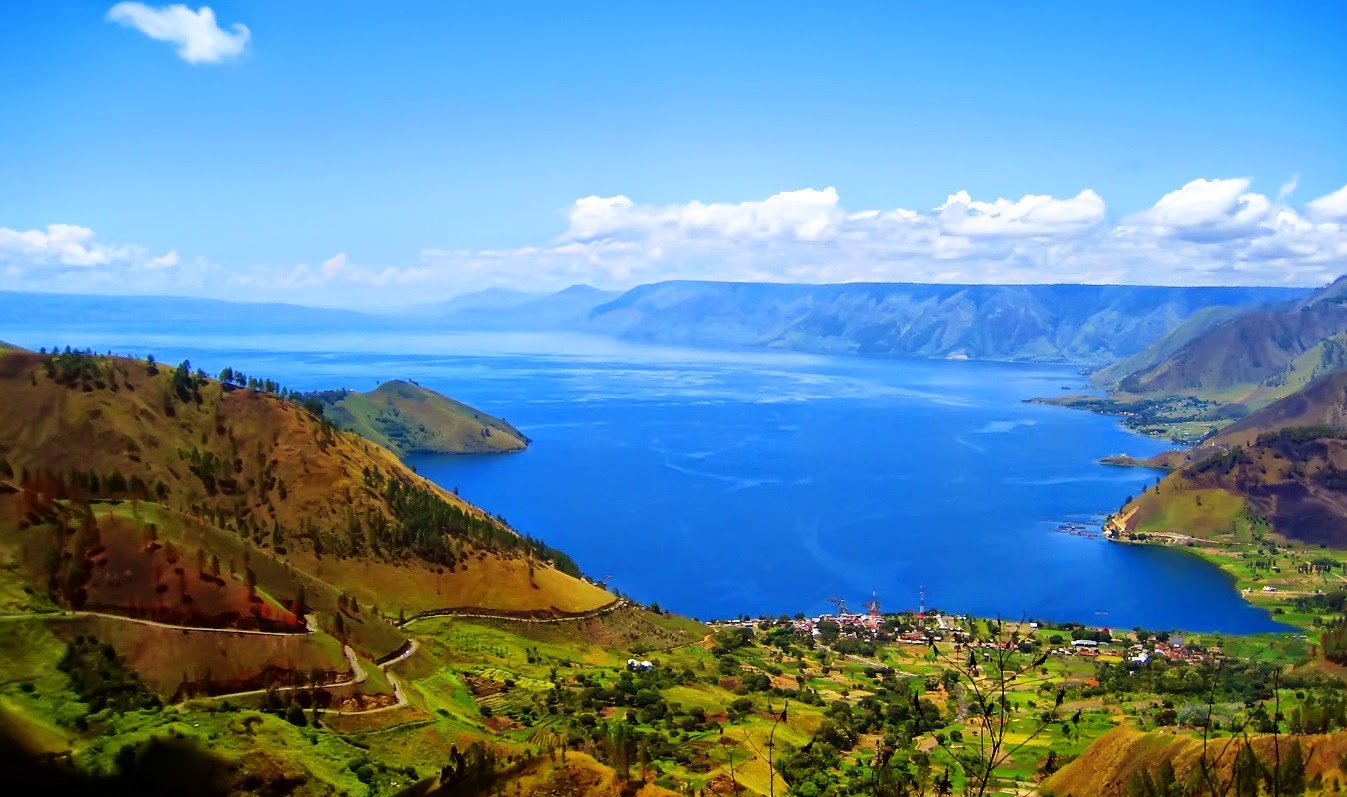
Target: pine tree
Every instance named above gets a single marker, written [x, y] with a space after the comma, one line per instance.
[1291, 771]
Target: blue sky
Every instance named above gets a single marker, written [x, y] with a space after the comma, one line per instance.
[381, 154]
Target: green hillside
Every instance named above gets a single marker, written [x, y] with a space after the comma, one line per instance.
[208, 588]
[1223, 364]
[1167, 346]
[1280, 471]
[408, 419]
[1255, 356]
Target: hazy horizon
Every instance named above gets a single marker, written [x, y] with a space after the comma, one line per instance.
[298, 301]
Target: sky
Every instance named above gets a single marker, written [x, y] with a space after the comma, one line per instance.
[373, 155]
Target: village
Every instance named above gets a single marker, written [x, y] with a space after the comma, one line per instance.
[924, 627]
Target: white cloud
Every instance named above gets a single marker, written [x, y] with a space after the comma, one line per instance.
[334, 265]
[1208, 232]
[807, 215]
[1330, 207]
[1208, 210]
[62, 245]
[167, 260]
[1032, 215]
[1288, 188]
[198, 38]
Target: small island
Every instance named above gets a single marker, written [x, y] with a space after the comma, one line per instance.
[407, 419]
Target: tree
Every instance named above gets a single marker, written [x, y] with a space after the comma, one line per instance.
[1291, 772]
[986, 687]
[1248, 772]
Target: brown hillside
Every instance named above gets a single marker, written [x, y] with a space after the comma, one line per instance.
[1285, 463]
[1106, 767]
[178, 664]
[1322, 402]
[268, 472]
[1245, 350]
[1295, 479]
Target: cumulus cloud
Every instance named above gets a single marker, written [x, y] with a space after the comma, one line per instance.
[63, 245]
[167, 260]
[198, 38]
[807, 215]
[334, 265]
[1209, 210]
[1032, 215]
[1332, 207]
[1207, 232]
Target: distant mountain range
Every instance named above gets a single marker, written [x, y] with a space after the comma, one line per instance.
[506, 310]
[1086, 324]
[23, 309]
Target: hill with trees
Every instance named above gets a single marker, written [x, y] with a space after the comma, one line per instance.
[406, 419]
[1284, 467]
[264, 465]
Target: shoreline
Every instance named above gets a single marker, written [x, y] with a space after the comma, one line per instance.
[1272, 592]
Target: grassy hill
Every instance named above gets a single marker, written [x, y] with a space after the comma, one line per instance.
[1166, 346]
[1320, 402]
[167, 539]
[406, 418]
[1254, 356]
[1283, 465]
[1291, 479]
[1222, 364]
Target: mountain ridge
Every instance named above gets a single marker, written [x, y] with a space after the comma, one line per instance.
[1084, 324]
[1240, 354]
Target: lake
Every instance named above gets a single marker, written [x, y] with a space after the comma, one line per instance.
[728, 483]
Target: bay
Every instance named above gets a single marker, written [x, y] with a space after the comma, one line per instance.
[729, 483]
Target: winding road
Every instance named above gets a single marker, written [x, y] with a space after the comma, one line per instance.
[358, 673]
[76, 614]
[478, 614]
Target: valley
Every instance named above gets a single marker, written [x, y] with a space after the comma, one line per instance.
[159, 592]
[699, 399]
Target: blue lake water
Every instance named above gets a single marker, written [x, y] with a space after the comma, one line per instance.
[728, 483]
